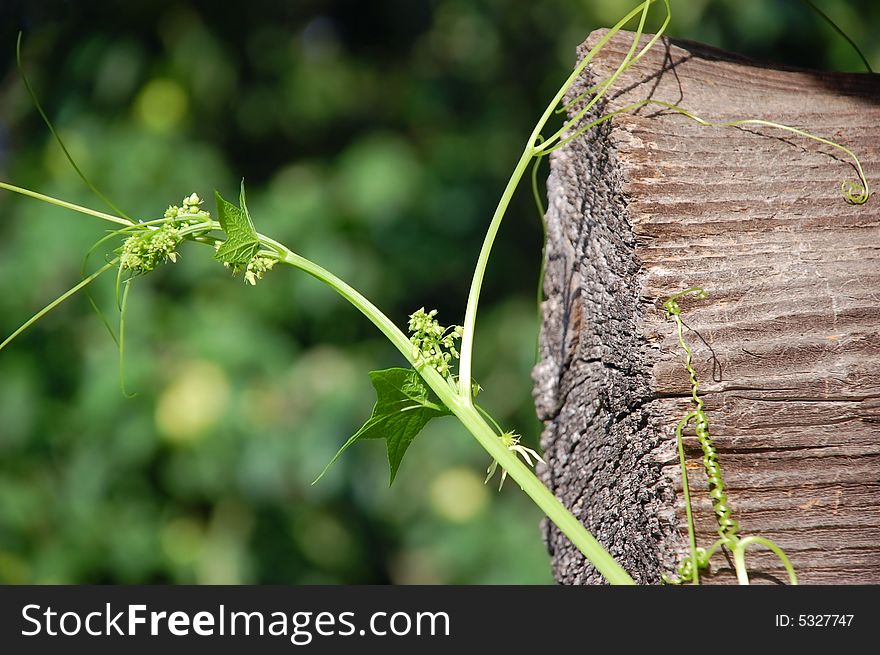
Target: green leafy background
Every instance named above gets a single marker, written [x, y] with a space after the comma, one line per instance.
[375, 139]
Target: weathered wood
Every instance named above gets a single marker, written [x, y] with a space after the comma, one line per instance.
[787, 347]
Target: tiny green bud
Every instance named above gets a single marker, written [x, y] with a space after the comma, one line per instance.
[257, 267]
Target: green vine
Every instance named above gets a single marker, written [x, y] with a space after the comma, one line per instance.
[407, 398]
[728, 527]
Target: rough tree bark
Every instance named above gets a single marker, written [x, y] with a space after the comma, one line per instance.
[787, 347]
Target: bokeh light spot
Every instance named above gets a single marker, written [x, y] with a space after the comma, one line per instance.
[161, 105]
[193, 403]
[458, 495]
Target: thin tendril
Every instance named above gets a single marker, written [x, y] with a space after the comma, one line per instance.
[60, 299]
[55, 134]
[536, 193]
[112, 235]
[122, 310]
[689, 570]
[685, 486]
[104, 320]
[837, 29]
[624, 65]
[66, 205]
[491, 419]
[539, 205]
[855, 192]
[118, 289]
[605, 83]
[542, 271]
[745, 542]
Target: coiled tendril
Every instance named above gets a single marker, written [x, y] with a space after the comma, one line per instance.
[728, 528]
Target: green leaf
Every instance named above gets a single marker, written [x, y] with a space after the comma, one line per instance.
[242, 242]
[404, 405]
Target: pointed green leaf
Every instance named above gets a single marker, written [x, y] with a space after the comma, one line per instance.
[404, 405]
[242, 242]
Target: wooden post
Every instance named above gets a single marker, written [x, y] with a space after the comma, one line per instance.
[787, 346]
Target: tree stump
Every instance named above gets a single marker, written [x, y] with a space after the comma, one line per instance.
[787, 345]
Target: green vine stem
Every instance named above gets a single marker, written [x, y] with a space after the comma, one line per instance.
[66, 205]
[466, 412]
[470, 417]
[456, 395]
[728, 527]
[535, 146]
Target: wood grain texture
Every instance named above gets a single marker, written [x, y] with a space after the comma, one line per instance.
[787, 347]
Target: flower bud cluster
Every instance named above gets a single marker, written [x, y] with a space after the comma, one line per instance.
[432, 343]
[146, 249]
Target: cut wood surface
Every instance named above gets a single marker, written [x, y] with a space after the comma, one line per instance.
[787, 346]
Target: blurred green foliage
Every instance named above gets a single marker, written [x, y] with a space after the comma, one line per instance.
[375, 139]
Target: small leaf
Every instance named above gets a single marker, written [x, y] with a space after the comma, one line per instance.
[404, 405]
[242, 242]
